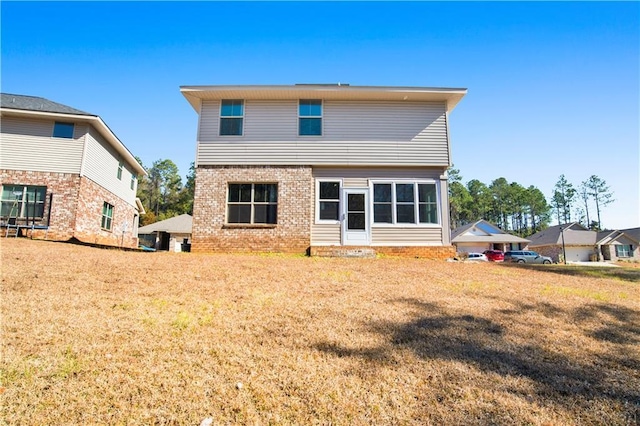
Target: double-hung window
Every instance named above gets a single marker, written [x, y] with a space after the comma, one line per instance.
[231, 117]
[132, 185]
[20, 201]
[310, 117]
[63, 130]
[107, 216]
[252, 203]
[624, 250]
[400, 203]
[120, 167]
[328, 196]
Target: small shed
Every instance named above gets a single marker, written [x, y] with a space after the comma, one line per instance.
[169, 235]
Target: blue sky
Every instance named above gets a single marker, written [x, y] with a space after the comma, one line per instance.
[553, 87]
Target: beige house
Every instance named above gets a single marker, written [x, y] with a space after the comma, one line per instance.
[324, 169]
[65, 175]
[482, 235]
[580, 244]
[172, 234]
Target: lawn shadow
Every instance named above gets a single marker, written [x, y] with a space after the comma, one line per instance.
[436, 333]
[619, 273]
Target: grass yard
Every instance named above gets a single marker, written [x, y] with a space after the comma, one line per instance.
[93, 336]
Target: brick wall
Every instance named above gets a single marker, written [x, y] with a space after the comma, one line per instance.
[292, 233]
[64, 187]
[91, 199]
[76, 208]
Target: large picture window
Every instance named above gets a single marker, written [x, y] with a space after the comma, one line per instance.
[402, 203]
[624, 250]
[107, 216]
[21, 201]
[328, 196]
[310, 117]
[253, 203]
[231, 117]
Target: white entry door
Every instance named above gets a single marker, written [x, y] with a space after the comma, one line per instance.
[356, 230]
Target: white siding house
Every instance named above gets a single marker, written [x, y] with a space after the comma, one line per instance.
[345, 167]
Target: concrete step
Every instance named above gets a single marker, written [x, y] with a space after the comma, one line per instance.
[341, 251]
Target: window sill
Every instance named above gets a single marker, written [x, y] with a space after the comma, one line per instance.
[249, 226]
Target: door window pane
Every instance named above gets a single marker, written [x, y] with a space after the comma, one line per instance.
[356, 221]
[356, 202]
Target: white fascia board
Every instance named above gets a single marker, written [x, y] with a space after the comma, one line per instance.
[450, 96]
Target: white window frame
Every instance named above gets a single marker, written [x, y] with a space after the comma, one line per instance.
[221, 117]
[103, 216]
[120, 169]
[252, 203]
[312, 116]
[415, 182]
[624, 253]
[317, 201]
[132, 185]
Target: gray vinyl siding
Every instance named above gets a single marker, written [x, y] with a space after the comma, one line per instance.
[354, 133]
[101, 166]
[329, 234]
[27, 144]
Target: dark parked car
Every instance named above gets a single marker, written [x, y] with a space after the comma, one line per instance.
[526, 256]
[494, 255]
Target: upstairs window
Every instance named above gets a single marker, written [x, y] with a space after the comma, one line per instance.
[253, 203]
[231, 117]
[133, 181]
[63, 130]
[107, 216]
[405, 203]
[22, 201]
[310, 117]
[120, 166]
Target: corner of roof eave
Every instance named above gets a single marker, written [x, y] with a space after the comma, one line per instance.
[195, 101]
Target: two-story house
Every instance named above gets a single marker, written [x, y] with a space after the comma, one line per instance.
[327, 169]
[65, 175]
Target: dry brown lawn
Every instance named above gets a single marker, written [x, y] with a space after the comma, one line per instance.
[94, 336]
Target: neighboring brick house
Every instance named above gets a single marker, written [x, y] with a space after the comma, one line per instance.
[65, 174]
[324, 169]
[581, 244]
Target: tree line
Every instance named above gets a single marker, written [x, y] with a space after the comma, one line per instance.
[513, 207]
[509, 205]
[574, 204]
[162, 193]
[525, 210]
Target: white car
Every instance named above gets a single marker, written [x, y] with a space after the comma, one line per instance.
[477, 257]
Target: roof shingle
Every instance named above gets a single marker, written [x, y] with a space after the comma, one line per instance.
[35, 103]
